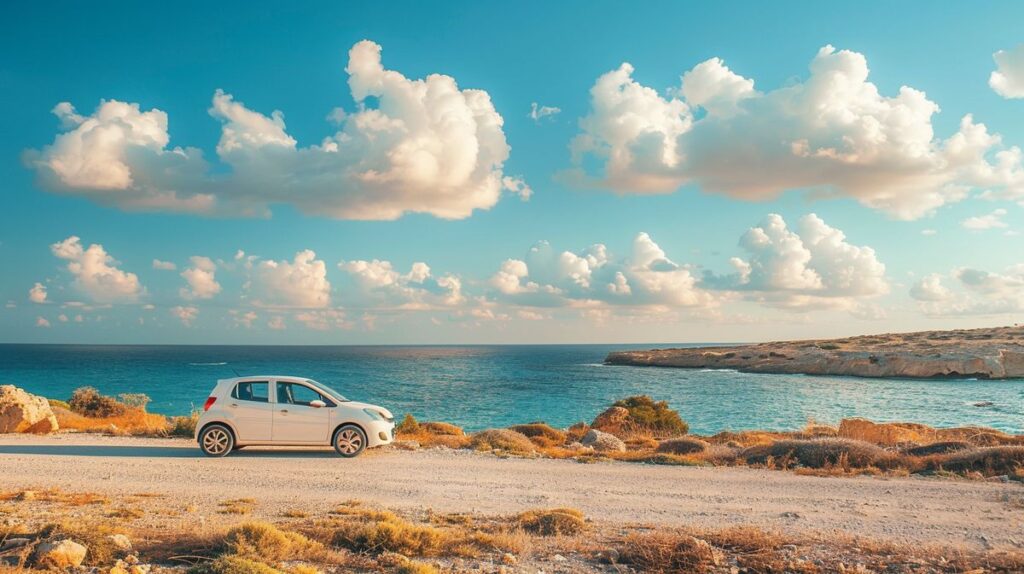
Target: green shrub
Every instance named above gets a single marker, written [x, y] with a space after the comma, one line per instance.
[408, 424]
[390, 534]
[88, 402]
[266, 542]
[655, 416]
[231, 564]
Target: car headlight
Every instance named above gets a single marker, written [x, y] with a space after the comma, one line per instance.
[374, 414]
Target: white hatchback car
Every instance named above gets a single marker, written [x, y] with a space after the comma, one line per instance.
[293, 411]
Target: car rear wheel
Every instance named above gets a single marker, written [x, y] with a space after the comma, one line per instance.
[349, 441]
[216, 440]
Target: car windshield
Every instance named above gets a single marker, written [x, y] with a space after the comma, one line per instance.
[328, 391]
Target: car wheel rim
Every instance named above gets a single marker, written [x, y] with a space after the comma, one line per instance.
[216, 441]
[349, 441]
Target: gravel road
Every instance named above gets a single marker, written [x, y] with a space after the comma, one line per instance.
[978, 515]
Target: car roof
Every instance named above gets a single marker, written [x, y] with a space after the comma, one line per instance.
[287, 378]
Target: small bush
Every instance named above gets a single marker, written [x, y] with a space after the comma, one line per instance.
[552, 522]
[266, 542]
[410, 567]
[94, 536]
[230, 564]
[683, 445]
[391, 534]
[656, 416]
[665, 552]
[819, 453]
[441, 428]
[541, 434]
[576, 432]
[408, 424]
[55, 404]
[183, 426]
[88, 402]
[989, 461]
[938, 448]
[504, 440]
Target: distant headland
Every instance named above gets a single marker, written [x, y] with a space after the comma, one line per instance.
[990, 353]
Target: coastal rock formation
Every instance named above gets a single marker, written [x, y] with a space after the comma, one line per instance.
[993, 353]
[22, 412]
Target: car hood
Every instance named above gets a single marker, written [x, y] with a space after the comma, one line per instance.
[359, 405]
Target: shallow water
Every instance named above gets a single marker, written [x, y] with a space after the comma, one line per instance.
[491, 386]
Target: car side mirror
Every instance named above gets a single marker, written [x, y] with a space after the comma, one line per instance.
[317, 404]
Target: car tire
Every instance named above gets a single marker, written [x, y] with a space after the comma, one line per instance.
[349, 441]
[216, 440]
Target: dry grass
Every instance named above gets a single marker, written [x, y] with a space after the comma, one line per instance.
[55, 495]
[552, 522]
[268, 543]
[668, 552]
[818, 453]
[989, 461]
[541, 434]
[237, 506]
[502, 440]
[682, 445]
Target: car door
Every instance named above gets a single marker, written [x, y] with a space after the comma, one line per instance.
[296, 421]
[251, 412]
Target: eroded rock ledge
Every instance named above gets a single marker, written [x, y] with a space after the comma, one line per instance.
[992, 353]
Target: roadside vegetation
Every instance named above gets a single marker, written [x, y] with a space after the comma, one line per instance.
[642, 430]
[351, 536]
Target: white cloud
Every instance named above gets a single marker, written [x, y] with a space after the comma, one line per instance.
[201, 279]
[243, 318]
[37, 294]
[96, 273]
[833, 132]
[276, 323]
[62, 318]
[979, 292]
[988, 221]
[539, 112]
[42, 322]
[423, 146]
[812, 267]
[549, 278]
[187, 315]
[380, 286]
[1008, 78]
[929, 232]
[323, 320]
[301, 283]
[164, 265]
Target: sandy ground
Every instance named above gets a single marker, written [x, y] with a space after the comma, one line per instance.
[977, 515]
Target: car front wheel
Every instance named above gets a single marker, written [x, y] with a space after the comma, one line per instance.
[216, 440]
[349, 441]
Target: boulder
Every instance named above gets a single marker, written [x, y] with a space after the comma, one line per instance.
[60, 554]
[613, 420]
[21, 412]
[121, 541]
[603, 442]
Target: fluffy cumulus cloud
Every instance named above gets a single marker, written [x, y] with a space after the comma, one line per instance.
[96, 273]
[539, 112]
[411, 145]
[380, 286]
[646, 277]
[300, 283]
[37, 294]
[1008, 78]
[988, 221]
[972, 292]
[201, 278]
[833, 132]
[164, 265]
[186, 314]
[42, 322]
[811, 266]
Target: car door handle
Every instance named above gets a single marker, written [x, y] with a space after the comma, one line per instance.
[284, 410]
[234, 405]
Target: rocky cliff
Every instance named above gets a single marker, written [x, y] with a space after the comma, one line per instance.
[993, 353]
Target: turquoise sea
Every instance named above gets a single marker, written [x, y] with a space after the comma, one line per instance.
[493, 386]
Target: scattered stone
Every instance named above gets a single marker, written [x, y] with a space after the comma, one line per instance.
[60, 554]
[12, 543]
[121, 541]
[609, 556]
[406, 445]
[559, 558]
[21, 412]
[603, 442]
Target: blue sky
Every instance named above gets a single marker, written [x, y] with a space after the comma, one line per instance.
[712, 280]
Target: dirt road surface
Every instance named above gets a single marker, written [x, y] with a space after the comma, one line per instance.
[961, 513]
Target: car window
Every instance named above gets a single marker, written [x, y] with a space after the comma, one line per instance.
[296, 394]
[255, 391]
